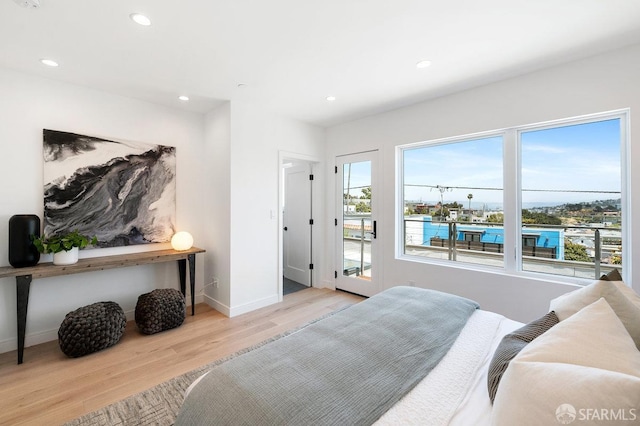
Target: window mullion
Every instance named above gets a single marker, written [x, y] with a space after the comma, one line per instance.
[511, 194]
[625, 162]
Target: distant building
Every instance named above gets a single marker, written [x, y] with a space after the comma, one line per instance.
[422, 208]
[547, 243]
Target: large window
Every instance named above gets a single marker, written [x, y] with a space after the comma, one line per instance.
[447, 187]
[551, 196]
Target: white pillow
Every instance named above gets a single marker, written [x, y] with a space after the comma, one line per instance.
[570, 303]
[628, 292]
[583, 364]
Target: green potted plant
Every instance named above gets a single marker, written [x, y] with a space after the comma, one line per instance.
[64, 247]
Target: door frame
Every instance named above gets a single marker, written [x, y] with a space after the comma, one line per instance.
[283, 158]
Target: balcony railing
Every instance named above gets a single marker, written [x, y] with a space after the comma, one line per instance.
[357, 245]
[485, 245]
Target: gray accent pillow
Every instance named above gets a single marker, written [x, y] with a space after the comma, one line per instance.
[614, 275]
[512, 344]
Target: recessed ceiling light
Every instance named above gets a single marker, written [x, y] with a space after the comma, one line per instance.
[32, 4]
[423, 64]
[49, 62]
[331, 98]
[183, 98]
[139, 18]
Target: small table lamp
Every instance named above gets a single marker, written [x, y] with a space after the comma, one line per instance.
[182, 241]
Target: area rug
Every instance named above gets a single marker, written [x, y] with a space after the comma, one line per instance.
[160, 404]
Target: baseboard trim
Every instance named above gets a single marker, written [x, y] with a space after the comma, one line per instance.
[9, 345]
[218, 306]
[241, 309]
[330, 284]
[252, 306]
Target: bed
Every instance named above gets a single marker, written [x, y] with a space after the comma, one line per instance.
[414, 356]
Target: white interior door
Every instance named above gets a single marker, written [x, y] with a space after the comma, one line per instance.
[357, 224]
[296, 220]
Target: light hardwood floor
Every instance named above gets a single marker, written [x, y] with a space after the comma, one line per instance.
[49, 388]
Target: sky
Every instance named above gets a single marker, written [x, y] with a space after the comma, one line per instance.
[557, 164]
[356, 176]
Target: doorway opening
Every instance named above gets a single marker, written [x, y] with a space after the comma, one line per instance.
[296, 223]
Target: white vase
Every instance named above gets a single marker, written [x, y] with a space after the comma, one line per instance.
[66, 257]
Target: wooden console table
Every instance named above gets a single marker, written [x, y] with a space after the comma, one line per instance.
[44, 270]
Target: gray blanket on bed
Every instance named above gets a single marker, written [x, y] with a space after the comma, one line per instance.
[347, 369]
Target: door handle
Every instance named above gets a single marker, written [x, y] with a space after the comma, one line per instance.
[373, 234]
[285, 228]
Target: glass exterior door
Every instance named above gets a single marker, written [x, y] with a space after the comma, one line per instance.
[357, 226]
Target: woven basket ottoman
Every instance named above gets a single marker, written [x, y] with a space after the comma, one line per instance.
[91, 329]
[160, 310]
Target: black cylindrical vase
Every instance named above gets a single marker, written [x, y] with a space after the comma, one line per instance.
[22, 252]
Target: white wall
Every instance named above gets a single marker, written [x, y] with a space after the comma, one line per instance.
[28, 105]
[217, 154]
[257, 136]
[602, 83]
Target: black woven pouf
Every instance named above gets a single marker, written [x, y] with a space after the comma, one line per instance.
[91, 329]
[160, 310]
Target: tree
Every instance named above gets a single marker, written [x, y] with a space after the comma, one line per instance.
[496, 218]
[575, 252]
[442, 212]
[573, 207]
[469, 197]
[366, 193]
[540, 218]
[363, 207]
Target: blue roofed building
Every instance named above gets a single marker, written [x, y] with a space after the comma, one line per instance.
[537, 242]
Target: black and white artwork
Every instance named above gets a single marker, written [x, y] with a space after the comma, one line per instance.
[121, 192]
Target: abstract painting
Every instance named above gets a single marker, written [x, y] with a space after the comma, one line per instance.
[122, 192]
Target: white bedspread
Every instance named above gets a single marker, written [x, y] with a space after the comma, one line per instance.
[456, 389]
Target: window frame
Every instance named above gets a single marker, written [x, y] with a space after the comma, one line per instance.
[512, 190]
[529, 237]
[476, 236]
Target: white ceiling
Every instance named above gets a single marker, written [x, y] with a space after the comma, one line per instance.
[292, 54]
